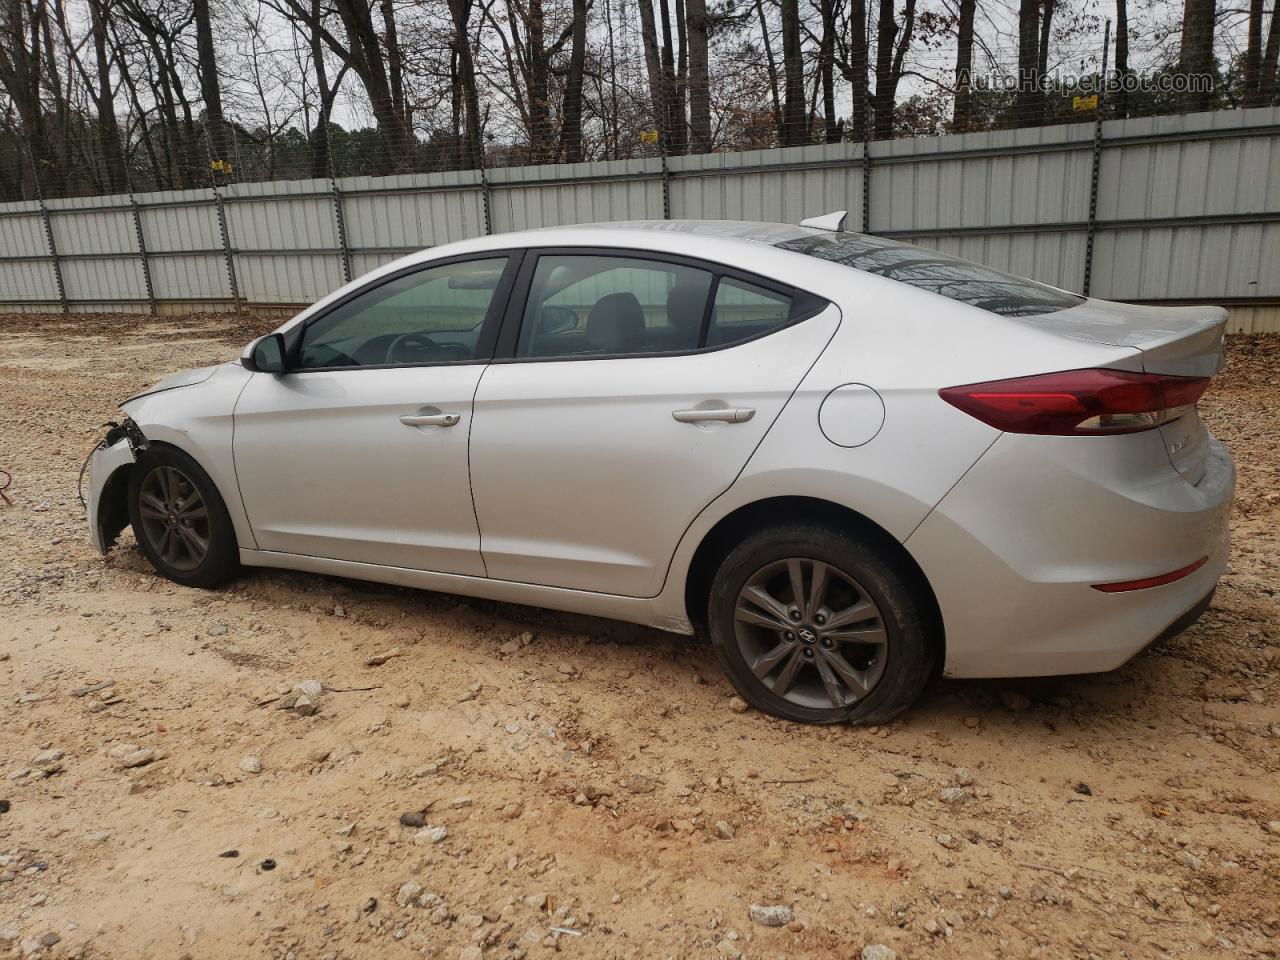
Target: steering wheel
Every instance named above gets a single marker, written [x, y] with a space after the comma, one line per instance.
[416, 341]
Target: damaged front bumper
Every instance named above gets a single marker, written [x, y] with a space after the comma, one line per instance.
[108, 476]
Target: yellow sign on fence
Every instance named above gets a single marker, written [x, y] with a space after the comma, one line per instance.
[220, 166]
[1082, 104]
[648, 136]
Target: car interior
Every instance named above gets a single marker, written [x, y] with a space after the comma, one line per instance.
[580, 305]
[617, 322]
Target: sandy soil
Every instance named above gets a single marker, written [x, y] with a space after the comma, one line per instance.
[595, 793]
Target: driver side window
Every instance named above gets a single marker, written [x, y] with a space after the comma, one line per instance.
[434, 315]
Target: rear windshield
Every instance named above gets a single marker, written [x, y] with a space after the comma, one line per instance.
[936, 272]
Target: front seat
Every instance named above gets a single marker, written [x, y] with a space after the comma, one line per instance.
[615, 324]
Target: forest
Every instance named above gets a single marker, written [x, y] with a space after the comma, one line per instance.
[108, 96]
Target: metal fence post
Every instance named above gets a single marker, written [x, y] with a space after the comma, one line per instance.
[226, 248]
[222, 225]
[866, 169]
[484, 197]
[666, 181]
[48, 234]
[339, 219]
[142, 243]
[1097, 166]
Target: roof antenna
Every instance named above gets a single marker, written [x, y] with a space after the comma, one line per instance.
[829, 221]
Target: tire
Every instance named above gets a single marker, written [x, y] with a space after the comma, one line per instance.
[879, 655]
[163, 484]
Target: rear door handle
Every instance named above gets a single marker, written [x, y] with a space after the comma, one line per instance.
[430, 419]
[703, 414]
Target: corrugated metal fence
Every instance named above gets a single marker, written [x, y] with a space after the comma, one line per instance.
[1182, 208]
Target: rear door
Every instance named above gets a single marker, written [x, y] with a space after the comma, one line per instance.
[633, 391]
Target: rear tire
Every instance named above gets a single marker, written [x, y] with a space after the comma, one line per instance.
[852, 646]
[180, 520]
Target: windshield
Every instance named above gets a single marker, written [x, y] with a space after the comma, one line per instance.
[936, 272]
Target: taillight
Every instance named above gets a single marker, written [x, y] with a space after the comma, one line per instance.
[1079, 402]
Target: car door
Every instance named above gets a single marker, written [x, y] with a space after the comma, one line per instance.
[359, 451]
[634, 391]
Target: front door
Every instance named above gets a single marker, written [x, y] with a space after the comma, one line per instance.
[359, 452]
[638, 389]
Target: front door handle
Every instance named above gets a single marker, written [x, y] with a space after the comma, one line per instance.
[703, 414]
[430, 419]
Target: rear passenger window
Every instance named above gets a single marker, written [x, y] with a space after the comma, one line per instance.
[609, 306]
[743, 310]
[604, 305]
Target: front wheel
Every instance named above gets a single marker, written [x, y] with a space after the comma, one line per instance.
[180, 520]
[815, 626]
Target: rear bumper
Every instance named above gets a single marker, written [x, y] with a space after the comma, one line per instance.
[1013, 552]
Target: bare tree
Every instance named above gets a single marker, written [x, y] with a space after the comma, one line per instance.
[1270, 60]
[892, 41]
[772, 64]
[1120, 99]
[699, 78]
[1195, 56]
[1253, 57]
[794, 127]
[962, 112]
[571, 112]
[1028, 102]
[219, 135]
[465, 90]
[832, 128]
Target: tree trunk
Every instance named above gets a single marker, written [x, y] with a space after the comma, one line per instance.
[882, 105]
[1028, 101]
[571, 122]
[395, 62]
[473, 154]
[1195, 58]
[962, 115]
[108, 127]
[772, 64]
[699, 78]
[653, 66]
[858, 66]
[538, 84]
[673, 114]
[1271, 59]
[210, 89]
[794, 128]
[826, 69]
[1253, 57]
[1042, 56]
[1120, 99]
[321, 161]
[364, 55]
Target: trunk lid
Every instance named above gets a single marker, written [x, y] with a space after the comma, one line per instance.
[1183, 341]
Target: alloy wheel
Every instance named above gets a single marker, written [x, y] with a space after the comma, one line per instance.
[810, 633]
[175, 518]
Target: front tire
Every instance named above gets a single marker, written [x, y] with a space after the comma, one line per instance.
[816, 626]
[180, 520]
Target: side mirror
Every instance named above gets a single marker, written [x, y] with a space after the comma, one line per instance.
[264, 355]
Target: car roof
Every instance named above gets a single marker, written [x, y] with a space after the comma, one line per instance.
[758, 231]
[695, 238]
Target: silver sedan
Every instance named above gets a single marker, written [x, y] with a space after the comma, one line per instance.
[855, 462]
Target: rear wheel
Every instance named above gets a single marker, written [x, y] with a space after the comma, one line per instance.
[180, 520]
[815, 626]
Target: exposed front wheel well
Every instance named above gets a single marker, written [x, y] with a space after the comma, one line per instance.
[775, 511]
[113, 505]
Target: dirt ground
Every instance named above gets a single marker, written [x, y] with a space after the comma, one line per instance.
[587, 787]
